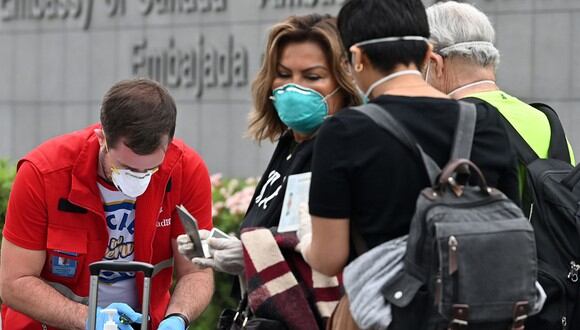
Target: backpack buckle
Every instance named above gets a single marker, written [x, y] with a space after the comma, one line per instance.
[520, 315]
[460, 317]
[455, 187]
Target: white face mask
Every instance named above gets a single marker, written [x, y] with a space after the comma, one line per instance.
[391, 77]
[391, 39]
[130, 183]
[445, 50]
[395, 74]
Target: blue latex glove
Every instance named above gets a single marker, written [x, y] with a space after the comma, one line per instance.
[172, 323]
[128, 314]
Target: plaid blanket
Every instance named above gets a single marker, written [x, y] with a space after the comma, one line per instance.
[282, 286]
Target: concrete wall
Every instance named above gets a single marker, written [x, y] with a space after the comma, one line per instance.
[58, 58]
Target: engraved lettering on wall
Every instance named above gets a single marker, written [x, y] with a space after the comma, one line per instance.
[52, 10]
[163, 7]
[198, 67]
[291, 4]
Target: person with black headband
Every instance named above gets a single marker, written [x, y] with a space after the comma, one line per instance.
[365, 179]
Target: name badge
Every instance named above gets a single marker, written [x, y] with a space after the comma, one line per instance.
[62, 266]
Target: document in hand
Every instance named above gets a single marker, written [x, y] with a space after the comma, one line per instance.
[297, 191]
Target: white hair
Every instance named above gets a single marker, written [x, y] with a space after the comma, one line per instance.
[460, 29]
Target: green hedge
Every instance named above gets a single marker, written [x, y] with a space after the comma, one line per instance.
[231, 198]
[7, 172]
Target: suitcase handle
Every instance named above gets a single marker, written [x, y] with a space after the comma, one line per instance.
[119, 266]
[122, 266]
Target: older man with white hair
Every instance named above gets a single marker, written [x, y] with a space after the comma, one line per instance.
[464, 63]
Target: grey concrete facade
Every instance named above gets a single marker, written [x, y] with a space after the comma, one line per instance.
[58, 58]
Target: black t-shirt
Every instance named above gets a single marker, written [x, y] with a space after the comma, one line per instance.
[289, 158]
[361, 172]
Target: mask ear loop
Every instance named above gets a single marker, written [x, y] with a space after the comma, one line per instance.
[113, 168]
[327, 97]
[102, 161]
[105, 139]
[332, 93]
[359, 67]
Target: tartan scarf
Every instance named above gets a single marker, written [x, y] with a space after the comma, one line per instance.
[282, 286]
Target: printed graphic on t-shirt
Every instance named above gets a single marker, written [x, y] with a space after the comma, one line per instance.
[273, 181]
[120, 219]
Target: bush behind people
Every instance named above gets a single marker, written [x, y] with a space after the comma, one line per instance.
[7, 173]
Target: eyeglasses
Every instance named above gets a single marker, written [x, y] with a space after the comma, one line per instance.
[130, 171]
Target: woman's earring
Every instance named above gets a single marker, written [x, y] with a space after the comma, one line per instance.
[358, 67]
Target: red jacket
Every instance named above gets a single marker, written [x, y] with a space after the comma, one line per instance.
[55, 205]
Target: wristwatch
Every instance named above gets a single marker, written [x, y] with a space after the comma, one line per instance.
[183, 317]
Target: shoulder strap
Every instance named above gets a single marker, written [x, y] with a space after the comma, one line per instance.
[558, 148]
[525, 153]
[463, 139]
[386, 121]
[558, 143]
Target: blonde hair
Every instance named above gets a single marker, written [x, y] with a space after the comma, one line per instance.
[264, 122]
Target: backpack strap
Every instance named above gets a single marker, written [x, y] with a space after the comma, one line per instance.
[386, 121]
[525, 153]
[463, 139]
[558, 143]
[558, 148]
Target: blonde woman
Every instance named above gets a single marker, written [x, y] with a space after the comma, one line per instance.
[304, 78]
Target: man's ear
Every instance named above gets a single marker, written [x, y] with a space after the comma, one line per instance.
[427, 57]
[437, 65]
[101, 136]
[358, 59]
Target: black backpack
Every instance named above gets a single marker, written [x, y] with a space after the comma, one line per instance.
[551, 201]
[471, 256]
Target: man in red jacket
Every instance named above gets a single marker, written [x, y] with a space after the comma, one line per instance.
[107, 192]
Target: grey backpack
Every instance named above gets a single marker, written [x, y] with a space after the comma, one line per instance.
[471, 255]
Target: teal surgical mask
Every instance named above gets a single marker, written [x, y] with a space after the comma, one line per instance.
[300, 108]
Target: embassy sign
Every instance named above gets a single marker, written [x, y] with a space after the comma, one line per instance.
[194, 64]
[212, 48]
[58, 58]
[82, 10]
